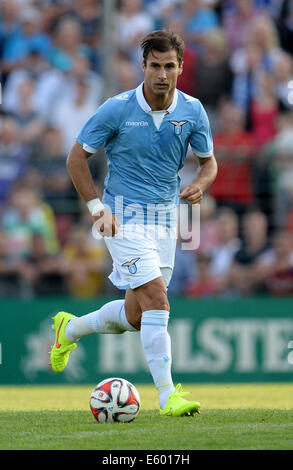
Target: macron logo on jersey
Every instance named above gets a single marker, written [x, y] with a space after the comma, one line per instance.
[137, 123]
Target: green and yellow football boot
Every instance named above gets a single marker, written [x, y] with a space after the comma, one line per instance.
[178, 406]
[62, 347]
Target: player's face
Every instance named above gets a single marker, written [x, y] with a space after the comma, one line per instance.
[161, 71]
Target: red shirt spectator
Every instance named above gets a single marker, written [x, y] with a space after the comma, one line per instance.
[204, 285]
[233, 148]
[186, 81]
[263, 123]
[264, 112]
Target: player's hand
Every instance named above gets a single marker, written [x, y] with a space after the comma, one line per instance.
[192, 193]
[106, 223]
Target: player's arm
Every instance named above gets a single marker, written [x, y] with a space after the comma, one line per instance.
[106, 223]
[193, 193]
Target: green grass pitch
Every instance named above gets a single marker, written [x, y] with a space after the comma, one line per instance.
[233, 417]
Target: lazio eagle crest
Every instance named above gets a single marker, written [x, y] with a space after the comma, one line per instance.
[178, 126]
[132, 268]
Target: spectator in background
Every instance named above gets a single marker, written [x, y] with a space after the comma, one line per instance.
[27, 37]
[8, 26]
[89, 16]
[248, 72]
[49, 174]
[163, 12]
[261, 52]
[254, 243]
[205, 284]
[282, 162]
[31, 125]
[274, 268]
[264, 112]
[84, 264]
[81, 71]
[185, 269]
[126, 74]
[49, 84]
[53, 11]
[14, 156]
[263, 33]
[12, 279]
[236, 22]
[213, 76]
[198, 19]
[42, 270]
[26, 215]
[72, 111]
[9, 18]
[228, 243]
[55, 85]
[234, 149]
[253, 65]
[283, 76]
[187, 80]
[208, 225]
[69, 45]
[132, 24]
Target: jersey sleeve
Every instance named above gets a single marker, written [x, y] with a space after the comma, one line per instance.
[201, 140]
[99, 128]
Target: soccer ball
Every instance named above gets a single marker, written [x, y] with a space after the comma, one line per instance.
[115, 400]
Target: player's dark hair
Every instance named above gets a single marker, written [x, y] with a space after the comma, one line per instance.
[162, 41]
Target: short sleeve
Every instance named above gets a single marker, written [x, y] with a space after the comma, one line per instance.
[201, 139]
[99, 128]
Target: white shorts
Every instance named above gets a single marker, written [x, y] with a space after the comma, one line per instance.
[141, 253]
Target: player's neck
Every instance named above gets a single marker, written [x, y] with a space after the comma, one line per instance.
[158, 103]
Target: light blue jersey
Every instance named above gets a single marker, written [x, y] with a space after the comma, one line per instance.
[146, 149]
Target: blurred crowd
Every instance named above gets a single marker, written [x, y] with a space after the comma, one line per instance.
[238, 61]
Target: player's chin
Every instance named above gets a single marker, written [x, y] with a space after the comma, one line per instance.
[161, 91]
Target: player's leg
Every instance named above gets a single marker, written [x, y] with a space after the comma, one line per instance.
[110, 318]
[132, 309]
[153, 300]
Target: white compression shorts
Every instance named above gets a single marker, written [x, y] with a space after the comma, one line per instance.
[141, 253]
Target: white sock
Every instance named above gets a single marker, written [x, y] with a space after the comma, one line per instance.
[156, 343]
[111, 318]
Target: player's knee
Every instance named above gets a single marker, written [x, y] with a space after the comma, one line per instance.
[160, 303]
[153, 296]
[156, 301]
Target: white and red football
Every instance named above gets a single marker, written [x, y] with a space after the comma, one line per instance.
[115, 400]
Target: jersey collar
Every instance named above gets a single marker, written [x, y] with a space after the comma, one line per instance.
[144, 104]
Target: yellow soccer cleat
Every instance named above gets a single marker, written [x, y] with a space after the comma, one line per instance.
[62, 347]
[178, 406]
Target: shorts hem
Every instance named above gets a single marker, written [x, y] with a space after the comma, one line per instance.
[143, 281]
[136, 284]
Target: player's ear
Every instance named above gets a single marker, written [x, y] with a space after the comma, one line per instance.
[181, 68]
[143, 65]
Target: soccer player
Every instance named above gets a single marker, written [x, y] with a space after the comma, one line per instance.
[146, 133]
